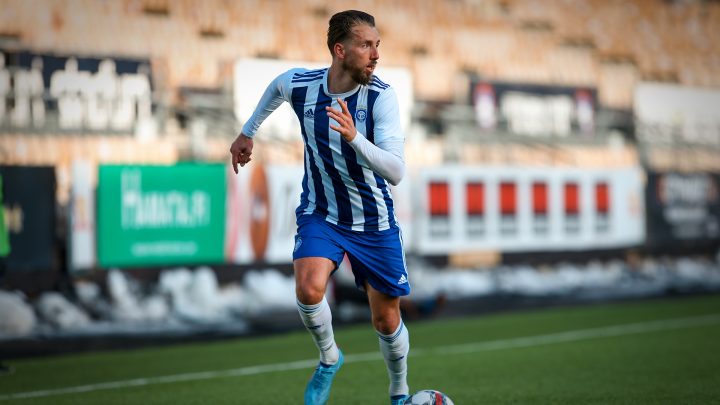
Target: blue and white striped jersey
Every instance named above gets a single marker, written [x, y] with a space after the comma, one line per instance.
[339, 184]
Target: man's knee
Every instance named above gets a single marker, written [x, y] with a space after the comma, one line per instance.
[387, 320]
[308, 293]
[311, 277]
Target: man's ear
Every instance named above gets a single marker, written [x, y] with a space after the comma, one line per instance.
[339, 50]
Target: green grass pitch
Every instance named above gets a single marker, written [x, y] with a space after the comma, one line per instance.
[648, 352]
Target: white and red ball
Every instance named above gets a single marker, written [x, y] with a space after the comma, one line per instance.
[428, 397]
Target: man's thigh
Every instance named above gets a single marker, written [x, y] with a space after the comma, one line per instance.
[316, 255]
[379, 259]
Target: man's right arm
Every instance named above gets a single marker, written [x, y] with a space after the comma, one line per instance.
[275, 94]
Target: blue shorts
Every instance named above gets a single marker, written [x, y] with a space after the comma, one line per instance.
[376, 256]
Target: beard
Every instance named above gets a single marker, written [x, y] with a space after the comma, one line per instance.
[358, 74]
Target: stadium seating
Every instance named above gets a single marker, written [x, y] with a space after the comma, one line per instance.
[584, 43]
[557, 41]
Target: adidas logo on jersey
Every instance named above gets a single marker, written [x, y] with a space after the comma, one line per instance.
[402, 280]
[309, 114]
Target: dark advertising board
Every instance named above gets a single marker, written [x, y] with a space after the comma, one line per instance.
[29, 207]
[683, 209]
[533, 109]
[49, 63]
[67, 92]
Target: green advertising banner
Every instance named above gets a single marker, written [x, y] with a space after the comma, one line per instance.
[160, 215]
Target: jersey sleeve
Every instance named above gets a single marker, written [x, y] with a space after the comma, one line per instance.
[388, 132]
[275, 94]
[386, 156]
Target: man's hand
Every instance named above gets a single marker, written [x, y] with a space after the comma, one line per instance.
[346, 126]
[240, 150]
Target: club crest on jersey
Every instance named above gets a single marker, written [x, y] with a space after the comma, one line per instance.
[361, 114]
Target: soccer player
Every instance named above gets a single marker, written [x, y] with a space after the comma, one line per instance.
[353, 148]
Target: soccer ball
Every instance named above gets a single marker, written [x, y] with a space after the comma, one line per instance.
[428, 397]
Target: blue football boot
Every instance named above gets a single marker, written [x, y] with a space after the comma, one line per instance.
[398, 399]
[317, 391]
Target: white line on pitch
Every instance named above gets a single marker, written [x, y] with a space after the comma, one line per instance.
[529, 341]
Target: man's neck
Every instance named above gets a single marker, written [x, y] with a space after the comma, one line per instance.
[339, 81]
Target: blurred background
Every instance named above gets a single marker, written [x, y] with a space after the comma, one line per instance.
[558, 152]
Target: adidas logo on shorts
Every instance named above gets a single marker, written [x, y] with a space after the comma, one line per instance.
[402, 280]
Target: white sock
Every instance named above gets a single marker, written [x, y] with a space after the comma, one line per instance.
[395, 348]
[317, 318]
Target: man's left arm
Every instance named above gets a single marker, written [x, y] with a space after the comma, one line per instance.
[386, 156]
